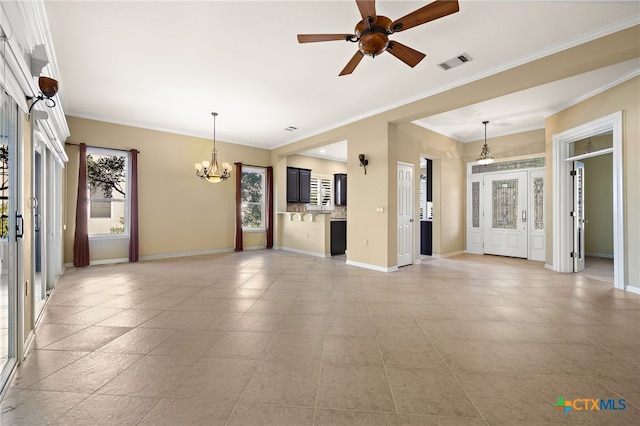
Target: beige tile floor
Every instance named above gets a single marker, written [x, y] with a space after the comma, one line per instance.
[269, 337]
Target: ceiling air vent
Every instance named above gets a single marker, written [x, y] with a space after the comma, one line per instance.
[454, 62]
[290, 128]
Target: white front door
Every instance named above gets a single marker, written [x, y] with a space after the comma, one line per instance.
[579, 220]
[505, 214]
[405, 214]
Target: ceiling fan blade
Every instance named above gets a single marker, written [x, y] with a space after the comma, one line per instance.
[430, 12]
[353, 63]
[367, 9]
[312, 38]
[406, 54]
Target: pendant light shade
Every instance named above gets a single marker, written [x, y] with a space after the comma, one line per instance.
[485, 154]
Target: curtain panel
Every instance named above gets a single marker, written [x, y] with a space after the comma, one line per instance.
[269, 207]
[133, 208]
[81, 237]
[239, 244]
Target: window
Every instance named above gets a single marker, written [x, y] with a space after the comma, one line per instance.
[321, 191]
[253, 196]
[107, 180]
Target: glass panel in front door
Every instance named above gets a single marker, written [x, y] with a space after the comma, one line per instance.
[505, 204]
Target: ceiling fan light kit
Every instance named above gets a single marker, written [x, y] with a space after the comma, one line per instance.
[373, 31]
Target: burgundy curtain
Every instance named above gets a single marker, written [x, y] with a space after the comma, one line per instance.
[269, 205]
[239, 245]
[133, 200]
[81, 236]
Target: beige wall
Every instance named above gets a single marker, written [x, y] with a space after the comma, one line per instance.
[525, 143]
[179, 213]
[598, 196]
[317, 165]
[623, 97]
[306, 233]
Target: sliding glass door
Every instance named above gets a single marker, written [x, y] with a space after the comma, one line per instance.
[10, 230]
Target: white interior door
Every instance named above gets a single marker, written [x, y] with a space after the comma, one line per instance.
[505, 214]
[405, 214]
[579, 220]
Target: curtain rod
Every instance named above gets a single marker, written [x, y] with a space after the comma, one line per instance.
[251, 165]
[102, 147]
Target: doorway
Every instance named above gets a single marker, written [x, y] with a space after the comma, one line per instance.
[565, 152]
[505, 208]
[598, 217]
[426, 207]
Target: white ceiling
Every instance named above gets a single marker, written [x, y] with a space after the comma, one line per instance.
[167, 65]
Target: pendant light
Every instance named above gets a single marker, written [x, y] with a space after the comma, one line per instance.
[209, 170]
[485, 154]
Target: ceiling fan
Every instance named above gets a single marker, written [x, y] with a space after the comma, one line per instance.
[373, 31]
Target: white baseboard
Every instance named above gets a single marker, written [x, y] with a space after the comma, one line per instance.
[372, 267]
[254, 248]
[549, 267]
[632, 289]
[602, 255]
[185, 254]
[445, 255]
[308, 253]
[157, 256]
[101, 262]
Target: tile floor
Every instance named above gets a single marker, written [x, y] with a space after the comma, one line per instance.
[270, 337]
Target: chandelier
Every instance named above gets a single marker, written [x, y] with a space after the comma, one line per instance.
[485, 154]
[210, 170]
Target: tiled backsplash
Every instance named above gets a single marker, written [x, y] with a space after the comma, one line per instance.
[338, 212]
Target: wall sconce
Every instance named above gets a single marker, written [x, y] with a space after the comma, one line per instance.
[48, 89]
[363, 162]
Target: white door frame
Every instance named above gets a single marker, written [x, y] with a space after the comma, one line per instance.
[563, 195]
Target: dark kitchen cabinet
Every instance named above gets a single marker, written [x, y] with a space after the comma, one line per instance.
[298, 185]
[338, 237]
[340, 189]
[426, 237]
